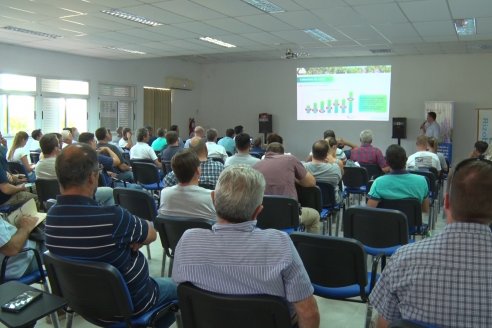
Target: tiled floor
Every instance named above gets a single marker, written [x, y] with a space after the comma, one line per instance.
[333, 313]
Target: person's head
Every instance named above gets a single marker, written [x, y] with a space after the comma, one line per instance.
[211, 135]
[481, 147]
[142, 135]
[50, 145]
[243, 142]
[161, 132]
[468, 198]
[101, 134]
[77, 167]
[257, 142]
[432, 144]
[75, 133]
[59, 136]
[396, 157]
[431, 117]
[421, 142]
[150, 130]
[320, 150]
[36, 134]
[366, 137]
[87, 138]
[186, 165]
[20, 141]
[239, 193]
[174, 128]
[274, 137]
[171, 138]
[67, 136]
[119, 132]
[328, 134]
[69, 130]
[125, 133]
[199, 131]
[238, 129]
[275, 147]
[230, 133]
[199, 147]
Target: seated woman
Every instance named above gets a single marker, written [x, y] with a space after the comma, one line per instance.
[18, 153]
[126, 141]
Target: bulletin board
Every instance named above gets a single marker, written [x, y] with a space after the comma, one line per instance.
[484, 124]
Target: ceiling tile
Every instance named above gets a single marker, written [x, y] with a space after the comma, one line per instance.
[381, 12]
[340, 16]
[470, 8]
[294, 36]
[441, 28]
[264, 38]
[158, 14]
[265, 22]
[300, 19]
[201, 28]
[423, 11]
[228, 7]
[397, 33]
[189, 9]
[232, 25]
[317, 4]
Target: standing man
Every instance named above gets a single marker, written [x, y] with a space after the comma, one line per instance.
[78, 227]
[430, 128]
[232, 258]
[445, 280]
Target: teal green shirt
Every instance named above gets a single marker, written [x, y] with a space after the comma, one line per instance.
[159, 144]
[398, 185]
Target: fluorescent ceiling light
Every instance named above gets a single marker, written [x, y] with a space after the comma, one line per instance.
[265, 6]
[23, 10]
[319, 35]
[135, 52]
[465, 26]
[217, 42]
[37, 33]
[131, 17]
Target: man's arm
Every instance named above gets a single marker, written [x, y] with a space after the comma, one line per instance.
[372, 202]
[112, 154]
[158, 164]
[382, 322]
[307, 313]
[10, 189]
[25, 224]
[307, 181]
[151, 235]
[425, 205]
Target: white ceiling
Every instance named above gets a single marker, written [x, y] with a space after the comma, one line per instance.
[407, 27]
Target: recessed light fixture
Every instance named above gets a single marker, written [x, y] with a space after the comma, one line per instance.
[131, 17]
[265, 6]
[217, 42]
[37, 33]
[465, 26]
[135, 52]
[319, 35]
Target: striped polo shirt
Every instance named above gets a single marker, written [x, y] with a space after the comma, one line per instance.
[238, 258]
[79, 228]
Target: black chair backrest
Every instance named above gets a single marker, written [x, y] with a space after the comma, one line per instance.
[332, 261]
[309, 197]
[137, 202]
[204, 309]
[327, 194]
[375, 227]
[34, 155]
[373, 170]
[217, 159]
[166, 165]
[431, 178]
[16, 168]
[410, 206]
[278, 213]
[355, 177]
[94, 290]
[257, 155]
[171, 228]
[144, 172]
[47, 189]
[401, 323]
[207, 186]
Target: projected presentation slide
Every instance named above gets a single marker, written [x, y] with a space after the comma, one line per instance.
[345, 93]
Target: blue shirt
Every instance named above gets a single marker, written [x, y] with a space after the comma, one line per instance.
[228, 143]
[79, 228]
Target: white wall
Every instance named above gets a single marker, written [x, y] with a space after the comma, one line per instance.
[141, 72]
[236, 93]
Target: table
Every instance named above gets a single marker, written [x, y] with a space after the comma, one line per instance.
[47, 304]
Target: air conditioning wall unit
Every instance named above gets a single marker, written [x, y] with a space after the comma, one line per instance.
[178, 83]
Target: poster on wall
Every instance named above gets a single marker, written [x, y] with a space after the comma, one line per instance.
[484, 121]
[444, 117]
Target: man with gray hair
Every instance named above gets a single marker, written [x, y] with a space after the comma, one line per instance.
[198, 132]
[232, 258]
[367, 154]
[215, 150]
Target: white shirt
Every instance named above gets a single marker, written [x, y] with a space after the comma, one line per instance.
[245, 159]
[19, 153]
[423, 159]
[433, 130]
[142, 150]
[122, 143]
[215, 150]
[187, 201]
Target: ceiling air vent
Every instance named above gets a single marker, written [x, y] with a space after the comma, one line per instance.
[380, 51]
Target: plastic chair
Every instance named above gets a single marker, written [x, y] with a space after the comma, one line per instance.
[355, 180]
[16, 168]
[147, 175]
[337, 267]
[207, 186]
[47, 189]
[217, 159]
[413, 211]
[381, 231]
[34, 155]
[330, 207]
[204, 309]
[170, 229]
[98, 292]
[37, 276]
[433, 193]
[373, 170]
[257, 155]
[280, 213]
[137, 202]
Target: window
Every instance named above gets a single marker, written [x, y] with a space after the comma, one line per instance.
[116, 106]
[17, 103]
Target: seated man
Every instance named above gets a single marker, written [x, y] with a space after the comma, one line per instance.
[142, 150]
[243, 145]
[172, 146]
[187, 198]
[215, 150]
[235, 257]
[228, 142]
[423, 158]
[367, 154]
[123, 170]
[445, 280]
[281, 173]
[75, 220]
[12, 188]
[398, 184]
[197, 132]
[210, 169]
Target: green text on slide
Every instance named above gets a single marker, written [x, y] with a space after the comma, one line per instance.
[373, 103]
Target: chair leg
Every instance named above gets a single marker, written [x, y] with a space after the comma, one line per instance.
[163, 267]
[170, 268]
[337, 225]
[148, 252]
[368, 315]
[323, 227]
[69, 319]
